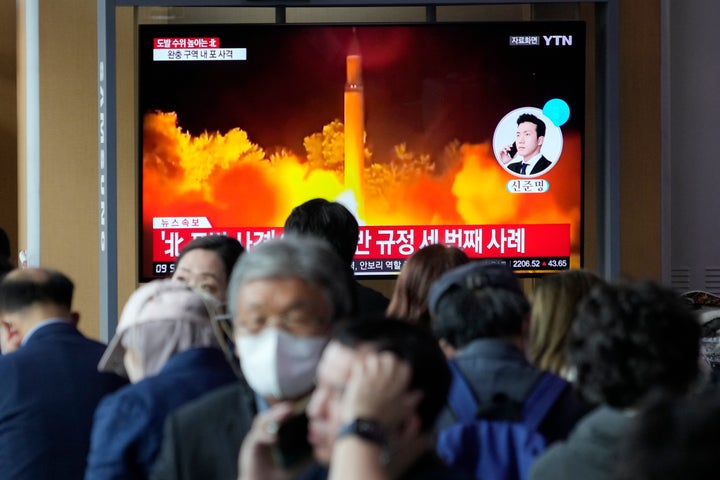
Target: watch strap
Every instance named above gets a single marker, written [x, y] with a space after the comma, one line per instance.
[366, 429]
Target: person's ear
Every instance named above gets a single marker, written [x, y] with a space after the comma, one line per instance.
[13, 336]
[541, 140]
[410, 428]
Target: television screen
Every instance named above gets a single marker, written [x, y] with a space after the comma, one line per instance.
[466, 134]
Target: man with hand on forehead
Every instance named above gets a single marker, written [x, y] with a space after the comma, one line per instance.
[380, 387]
[284, 297]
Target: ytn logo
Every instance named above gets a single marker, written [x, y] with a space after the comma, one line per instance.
[558, 40]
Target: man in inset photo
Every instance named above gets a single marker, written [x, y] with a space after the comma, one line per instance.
[524, 154]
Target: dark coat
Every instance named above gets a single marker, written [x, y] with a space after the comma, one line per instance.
[539, 166]
[591, 451]
[50, 388]
[370, 303]
[202, 439]
[128, 428]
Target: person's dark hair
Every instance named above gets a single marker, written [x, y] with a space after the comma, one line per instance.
[673, 439]
[410, 296]
[4, 245]
[539, 124]
[330, 221]
[415, 345]
[464, 315]
[628, 339]
[5, 267]
[20, 292]
[227, 249]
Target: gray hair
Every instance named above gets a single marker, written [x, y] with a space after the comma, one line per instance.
[307, 258]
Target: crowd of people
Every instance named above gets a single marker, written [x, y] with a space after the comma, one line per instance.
[276, 363]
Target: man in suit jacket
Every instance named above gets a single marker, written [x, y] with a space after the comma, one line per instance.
[202, 438]
[528, 141]
[284, 296]
[50, 385]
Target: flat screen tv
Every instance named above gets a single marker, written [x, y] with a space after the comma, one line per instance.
[466, 134]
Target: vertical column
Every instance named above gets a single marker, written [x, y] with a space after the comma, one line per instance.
[29, 131]
[107, 160]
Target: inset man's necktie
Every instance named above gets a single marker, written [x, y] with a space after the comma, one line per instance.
[523, 166]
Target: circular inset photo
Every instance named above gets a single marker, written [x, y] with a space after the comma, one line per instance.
[527, 143]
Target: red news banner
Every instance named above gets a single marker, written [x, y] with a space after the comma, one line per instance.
[384, 249]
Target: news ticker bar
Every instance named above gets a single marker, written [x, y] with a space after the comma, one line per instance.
[519, 265]
[392, 266]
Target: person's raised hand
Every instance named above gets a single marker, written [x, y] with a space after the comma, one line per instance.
[378, 390]
[255, 460]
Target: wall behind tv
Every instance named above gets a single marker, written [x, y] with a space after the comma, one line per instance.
[8, 123]
[68, 143]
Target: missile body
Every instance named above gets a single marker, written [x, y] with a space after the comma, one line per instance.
[354, 125]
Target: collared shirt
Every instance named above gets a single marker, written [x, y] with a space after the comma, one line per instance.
[39, 326]
[531, 163]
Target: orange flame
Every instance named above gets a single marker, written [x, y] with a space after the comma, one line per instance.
[234, 183]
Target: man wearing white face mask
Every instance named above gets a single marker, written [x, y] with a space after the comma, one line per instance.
[284, 296]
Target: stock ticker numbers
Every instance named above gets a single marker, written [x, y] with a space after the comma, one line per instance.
[540, 264]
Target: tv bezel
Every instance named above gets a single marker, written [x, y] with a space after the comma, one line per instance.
[391, 275]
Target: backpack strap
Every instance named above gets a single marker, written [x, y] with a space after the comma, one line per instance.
[541, 399]
[460, 397]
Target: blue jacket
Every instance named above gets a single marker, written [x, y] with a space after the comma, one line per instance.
[49, 389]
[128, 428]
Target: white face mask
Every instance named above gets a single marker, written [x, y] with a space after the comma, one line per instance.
[277, 364]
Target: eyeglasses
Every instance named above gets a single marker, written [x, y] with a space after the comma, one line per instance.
[296, 322]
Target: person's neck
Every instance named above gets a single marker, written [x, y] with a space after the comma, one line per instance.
[30, 317]
[517, 342]
[530, 156]
[404, 456]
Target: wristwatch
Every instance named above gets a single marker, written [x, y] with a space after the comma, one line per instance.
[366, 429]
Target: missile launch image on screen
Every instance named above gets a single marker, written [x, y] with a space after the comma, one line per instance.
[396, 123]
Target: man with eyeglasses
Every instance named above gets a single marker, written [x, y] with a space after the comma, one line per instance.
[284, 297]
